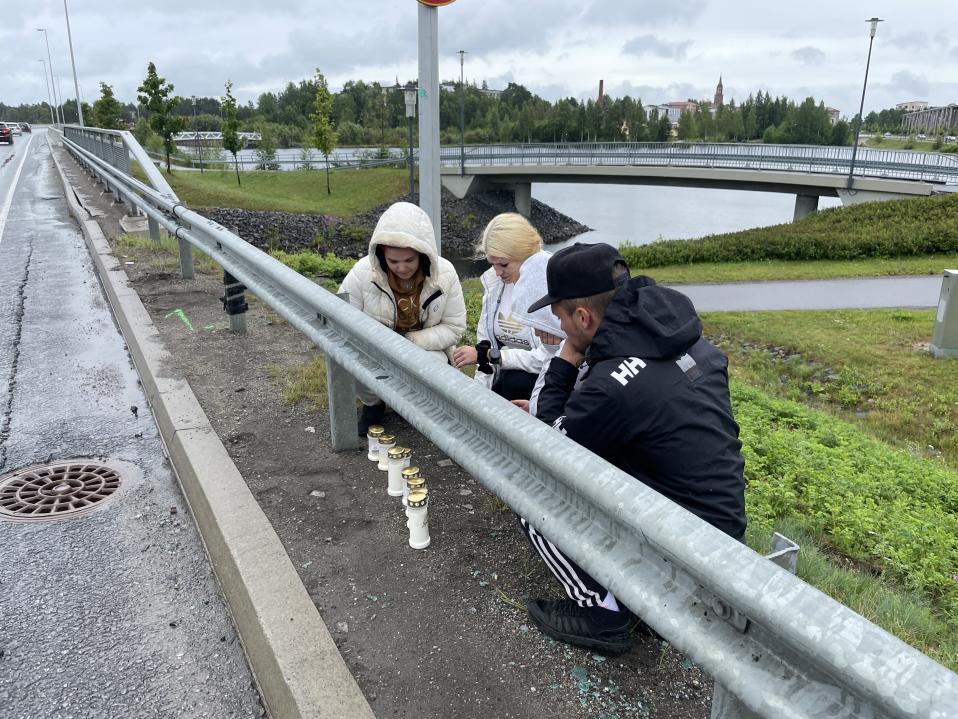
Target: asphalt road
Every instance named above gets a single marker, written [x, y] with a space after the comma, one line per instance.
[115, 613]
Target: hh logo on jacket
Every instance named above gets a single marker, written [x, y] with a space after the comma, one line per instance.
[627, 370]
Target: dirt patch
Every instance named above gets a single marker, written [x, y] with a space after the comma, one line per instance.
[425, 633]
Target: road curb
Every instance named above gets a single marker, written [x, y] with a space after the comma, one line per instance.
[298, 667]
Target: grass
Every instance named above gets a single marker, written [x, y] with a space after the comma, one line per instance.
[304, 383]
[907, 615]
[895, 143]
[870, 367]
[303, 191]
[163, 255]
[715, 272]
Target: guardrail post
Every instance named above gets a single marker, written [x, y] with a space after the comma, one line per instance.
[154, 229]
[726, 705]
[234, 303]
[186, 259]
[341, 391]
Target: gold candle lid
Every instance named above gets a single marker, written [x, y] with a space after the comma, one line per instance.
[375, 431]
[417, 498]
[386, 439]
[399, 452]
[410, 472]
[415, 483]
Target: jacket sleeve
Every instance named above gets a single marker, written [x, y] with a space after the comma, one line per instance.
[591, 415]
[531, 360]
[354, 286]
[451, 326]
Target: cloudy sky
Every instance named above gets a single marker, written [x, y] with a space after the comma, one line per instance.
[659, 50]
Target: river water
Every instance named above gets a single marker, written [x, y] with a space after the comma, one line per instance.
[640, 214]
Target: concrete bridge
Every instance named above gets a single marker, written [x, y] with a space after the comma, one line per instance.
[806, 171]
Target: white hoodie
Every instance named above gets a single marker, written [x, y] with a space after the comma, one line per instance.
[442, 309]
[530, 286]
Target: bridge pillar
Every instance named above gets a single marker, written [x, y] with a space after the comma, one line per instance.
[522, 192]
[805, 205]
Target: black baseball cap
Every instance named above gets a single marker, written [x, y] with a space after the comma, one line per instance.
[579, 271]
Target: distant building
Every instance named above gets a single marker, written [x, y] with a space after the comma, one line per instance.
[912, 106]
[834, 114]
[719, 94]
[674, 110]
[932, 119]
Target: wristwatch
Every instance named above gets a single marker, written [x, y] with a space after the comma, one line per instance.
[493, 355]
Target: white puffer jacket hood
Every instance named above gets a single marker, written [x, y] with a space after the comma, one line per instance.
[442, 310]
[404, 225]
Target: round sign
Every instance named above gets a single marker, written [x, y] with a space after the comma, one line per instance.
[437, 3]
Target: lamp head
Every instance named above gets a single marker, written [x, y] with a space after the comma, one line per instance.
[874, 25]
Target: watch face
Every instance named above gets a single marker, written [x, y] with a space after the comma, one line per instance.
[494, 353]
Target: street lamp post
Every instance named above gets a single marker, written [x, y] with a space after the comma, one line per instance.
[196, 137]
[62, 103]
[56, 100]
[409, 95]
[861, 108]
[462, 115]
[73, 62]
[46, 82]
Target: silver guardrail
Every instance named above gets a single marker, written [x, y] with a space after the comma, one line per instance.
[775, 646]
[889, 164]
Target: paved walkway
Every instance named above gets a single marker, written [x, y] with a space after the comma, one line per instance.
[115, 613]
[868, 293]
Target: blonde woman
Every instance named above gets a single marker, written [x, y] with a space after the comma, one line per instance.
[508, 354]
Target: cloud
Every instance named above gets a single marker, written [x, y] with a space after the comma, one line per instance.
[913, 85]
[644, 12]
[809, 55]
[914, 40]
[652, 45]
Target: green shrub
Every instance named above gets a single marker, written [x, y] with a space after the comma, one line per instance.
[882, 507]
[894, 228]
[312, 264]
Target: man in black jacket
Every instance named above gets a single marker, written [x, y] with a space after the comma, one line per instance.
[654, 401]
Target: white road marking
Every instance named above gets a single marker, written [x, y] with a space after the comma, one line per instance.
[13, 188]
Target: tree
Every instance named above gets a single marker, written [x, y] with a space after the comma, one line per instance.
[323, 134]
[156, 99]
[107, 111]
[686, 126]
[231, 140]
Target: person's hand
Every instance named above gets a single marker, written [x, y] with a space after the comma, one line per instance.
[463, 356]
[522, 404]
[571, 354]
[548, 339]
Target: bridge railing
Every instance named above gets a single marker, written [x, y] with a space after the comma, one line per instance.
[894, 164]
[781, 648]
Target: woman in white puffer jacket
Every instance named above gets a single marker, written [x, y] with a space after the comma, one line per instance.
[404, 284]
[508, 354]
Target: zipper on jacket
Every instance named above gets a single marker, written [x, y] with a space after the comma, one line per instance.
[391, 299]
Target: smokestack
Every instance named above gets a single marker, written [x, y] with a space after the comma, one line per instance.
[601, 93]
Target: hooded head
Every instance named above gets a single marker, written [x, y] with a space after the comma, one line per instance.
[406, 226]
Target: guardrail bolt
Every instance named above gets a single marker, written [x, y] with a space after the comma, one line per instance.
[234, 303]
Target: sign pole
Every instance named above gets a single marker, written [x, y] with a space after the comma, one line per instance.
[429, 182]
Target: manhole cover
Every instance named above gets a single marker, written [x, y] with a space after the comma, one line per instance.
[51, 491]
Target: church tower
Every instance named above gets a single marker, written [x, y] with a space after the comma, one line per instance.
[719, 96]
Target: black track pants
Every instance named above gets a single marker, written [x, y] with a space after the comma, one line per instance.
[578, 584]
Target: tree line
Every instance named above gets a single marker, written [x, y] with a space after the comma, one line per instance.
[373, 114]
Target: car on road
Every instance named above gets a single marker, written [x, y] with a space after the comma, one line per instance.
[950, 138]
[25, 127]
[6, 134]
[14, 128]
